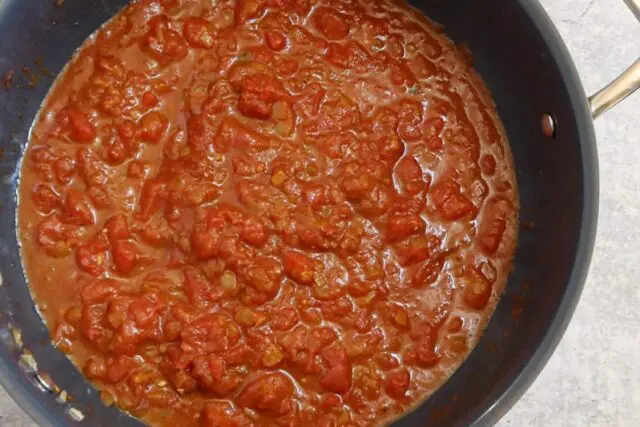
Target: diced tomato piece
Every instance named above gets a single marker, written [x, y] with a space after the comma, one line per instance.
[271, 393]
[433, 128]
[149, 100]
[199, 33]
[208, 371]
[330, 401]
[335, 356]
[127, 130]
[232, 134]
[99, 290]
[95, 368]
[92, 256]
[125, 256]
[153, 194]
[93, 170]
[428, 272]
[353, 56]
[493, 223]
[330, 23]
[426, 337]
[91, 322]
[358, 187]
[118, 227]
[153, 126]
[417, 249]
[488, 164]
[200, 132]
[170, 4]
[264, 276]
[401, 225]
[254, 232]
[408, 169]
[147, 309]
[448, 200]
[338, 377]
[81, 129]
[275, 40]
[284, 318]
[477, 291]
[65, 168]
[197, 287]
[457, 206]
[99, 197]
[119, 368]
[410, 116]
[204, 244]
[212, 333]
[397, 383]
[76, 209]
[409, 174]
[56, 238]
[46, 199]
[222, 414]
[298, 266]
[248, 9]
[164, 44]
[258, 93]
[442, 191]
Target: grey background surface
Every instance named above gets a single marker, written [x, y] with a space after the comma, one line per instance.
[593, 379]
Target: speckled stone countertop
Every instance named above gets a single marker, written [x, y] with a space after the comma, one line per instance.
[593, 378]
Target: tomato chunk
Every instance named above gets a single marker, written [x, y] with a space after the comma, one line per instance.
[397, 383]
[299, 267]
[270, 393]
[118, 227]
[410, 176]
[258, 93]
[222, 414]
[401, 225]
[153, 126]
[125, 256]
[80, 128]
[164, 44]
[330, 23]
[198, 33]
[46, 199]
[275, 40]
[213, 333]
[493, 224]
[76, 209]
[451, 204]
[92, 256]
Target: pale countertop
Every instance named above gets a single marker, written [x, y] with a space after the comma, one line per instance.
[593, 378]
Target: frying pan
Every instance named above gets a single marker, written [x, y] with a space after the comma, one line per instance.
[528, 69]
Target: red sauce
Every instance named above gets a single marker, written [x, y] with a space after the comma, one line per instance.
[268, 212]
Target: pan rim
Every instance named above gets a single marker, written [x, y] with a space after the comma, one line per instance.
[532, 367]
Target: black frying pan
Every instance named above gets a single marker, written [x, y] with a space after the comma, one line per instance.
[525, 64]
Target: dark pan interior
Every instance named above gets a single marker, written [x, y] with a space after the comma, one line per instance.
[527, 68]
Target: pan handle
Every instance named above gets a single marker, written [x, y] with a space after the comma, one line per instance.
[621, 87]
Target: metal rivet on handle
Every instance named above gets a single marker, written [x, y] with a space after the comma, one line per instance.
[548, 123]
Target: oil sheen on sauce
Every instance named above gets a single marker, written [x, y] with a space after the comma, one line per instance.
[267, 212]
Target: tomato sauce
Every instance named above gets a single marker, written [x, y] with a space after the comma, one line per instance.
[267, 212]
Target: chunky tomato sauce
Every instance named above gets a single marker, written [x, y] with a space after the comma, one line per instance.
[267, 212]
